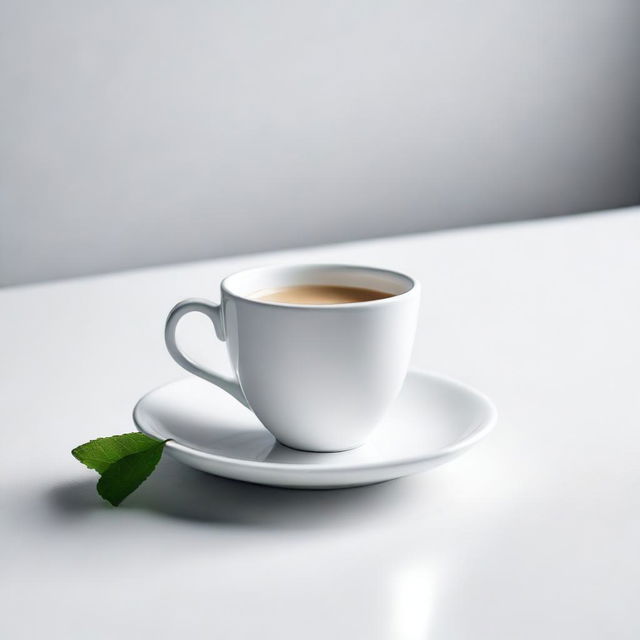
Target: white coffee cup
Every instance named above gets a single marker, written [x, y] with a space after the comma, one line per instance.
[318, 377]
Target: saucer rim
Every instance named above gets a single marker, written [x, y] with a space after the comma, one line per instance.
[477, 433]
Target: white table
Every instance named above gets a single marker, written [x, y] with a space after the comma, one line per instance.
[533, 534]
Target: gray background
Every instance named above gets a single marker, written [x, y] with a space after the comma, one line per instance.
[138, 132]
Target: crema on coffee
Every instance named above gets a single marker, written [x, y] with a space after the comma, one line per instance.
[319, 294]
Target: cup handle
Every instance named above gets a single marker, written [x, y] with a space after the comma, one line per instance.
[214, 313]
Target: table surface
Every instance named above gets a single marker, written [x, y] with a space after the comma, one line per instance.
[532, 534]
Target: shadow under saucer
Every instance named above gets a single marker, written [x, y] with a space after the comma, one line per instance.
[180, 492]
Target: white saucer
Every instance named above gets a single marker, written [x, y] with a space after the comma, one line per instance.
[433, 420]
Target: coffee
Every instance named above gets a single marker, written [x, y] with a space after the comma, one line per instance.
[319, 294]
[318, 372]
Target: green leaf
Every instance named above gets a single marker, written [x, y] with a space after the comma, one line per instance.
[101, 453]
[124, 462]
[127, 474]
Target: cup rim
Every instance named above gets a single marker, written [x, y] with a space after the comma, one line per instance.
[413, 287]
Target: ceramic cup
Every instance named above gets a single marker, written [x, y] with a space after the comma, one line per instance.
[318, 377]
